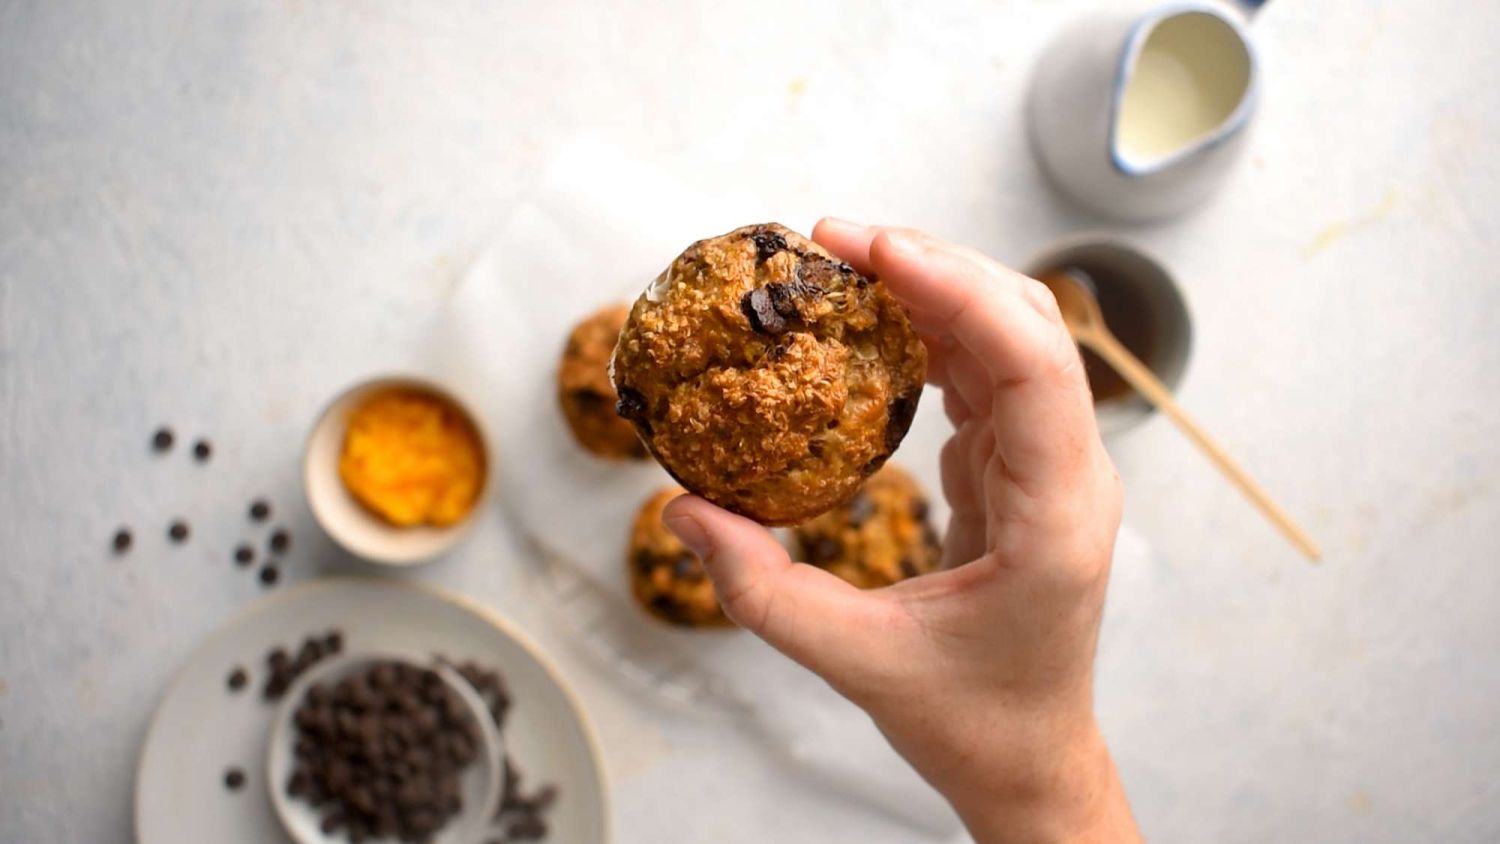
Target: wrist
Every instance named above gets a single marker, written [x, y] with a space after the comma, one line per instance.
[1068, 790]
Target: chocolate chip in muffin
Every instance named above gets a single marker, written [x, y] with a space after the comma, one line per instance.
[898, 421]
[631, 404]
[162, 440]
[767, 243]
[758, 307]
[861, 508]
[122, 540]
[178, 531]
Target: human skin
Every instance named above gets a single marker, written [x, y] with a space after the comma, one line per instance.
[980, 675]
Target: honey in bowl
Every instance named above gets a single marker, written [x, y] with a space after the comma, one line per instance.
[412, 457]
[1128, 313]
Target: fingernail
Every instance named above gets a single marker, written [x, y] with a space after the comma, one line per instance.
[691, 533]
[903, 244]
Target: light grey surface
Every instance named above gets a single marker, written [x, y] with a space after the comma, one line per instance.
[215, 215]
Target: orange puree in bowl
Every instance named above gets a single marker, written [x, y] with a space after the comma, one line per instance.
[412, 458]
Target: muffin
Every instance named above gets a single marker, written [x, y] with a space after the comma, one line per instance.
[666, 579]
[879, 537]
[585, 392]
[768, 376]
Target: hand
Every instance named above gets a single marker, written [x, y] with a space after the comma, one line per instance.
[980, 675]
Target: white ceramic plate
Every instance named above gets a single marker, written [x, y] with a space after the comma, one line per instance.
[201, 728]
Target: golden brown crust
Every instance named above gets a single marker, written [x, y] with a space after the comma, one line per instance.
[585, 392]
[665, 578]
[768, 376]
[879, 537]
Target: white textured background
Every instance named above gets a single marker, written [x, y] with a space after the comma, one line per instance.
[215, 214]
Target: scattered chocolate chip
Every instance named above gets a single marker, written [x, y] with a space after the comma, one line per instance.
[631, 404]
[202, 450]
[898, 421]
[178, 531]
[758, 308]
[280, 541]
[269, 574]
[861, 508]
[238, 679]
[260, 510]
[767, 243]
[162, 440]
[333, 642]
[244, 555]
[234, 779]
[122, 540]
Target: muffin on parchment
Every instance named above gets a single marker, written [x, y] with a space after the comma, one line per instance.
[879, 537]
[768, 376]
[666, 579]
[585, 393]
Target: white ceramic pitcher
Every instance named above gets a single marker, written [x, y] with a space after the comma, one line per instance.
[1139, 114]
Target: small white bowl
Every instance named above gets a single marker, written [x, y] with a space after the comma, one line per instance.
[346, 520]
[482, 783]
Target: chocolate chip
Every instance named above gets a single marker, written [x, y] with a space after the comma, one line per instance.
[631, 404]
[238, 679]
[767, 243]
[909, 568]
[644, 560]
[861, 508]
[898, 420]
[280, 541]
[244, 555]
[685, 566]
[589, 401]
[234, 779]
[202, 450]
[919, 508]
[269, 574]
[759, 309]
[178, 531]
[260, 510]
[823, 550]
[162, 440]
[122, 540]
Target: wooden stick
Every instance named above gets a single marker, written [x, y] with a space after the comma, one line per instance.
[1145, 382]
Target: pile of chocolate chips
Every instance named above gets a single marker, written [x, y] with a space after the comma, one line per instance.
[380, 751]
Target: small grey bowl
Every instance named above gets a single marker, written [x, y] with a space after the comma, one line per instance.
[482, 783]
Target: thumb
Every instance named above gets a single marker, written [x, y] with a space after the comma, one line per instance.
[820, 621]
